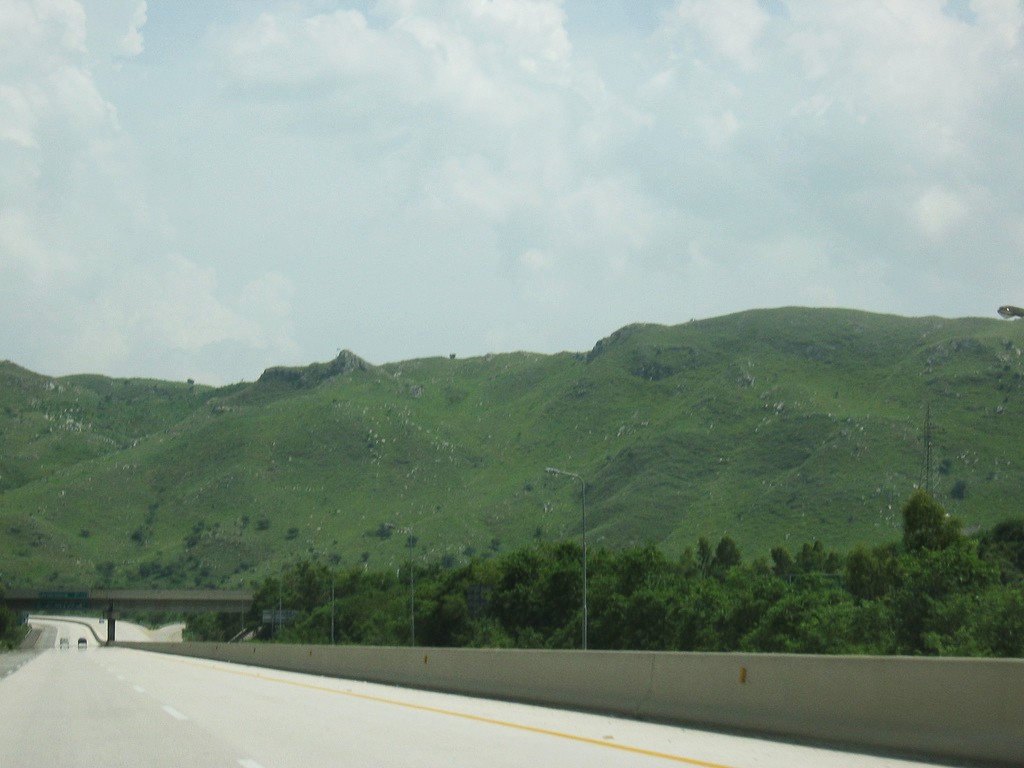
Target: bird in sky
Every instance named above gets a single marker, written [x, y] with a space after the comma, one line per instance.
[1008, 311]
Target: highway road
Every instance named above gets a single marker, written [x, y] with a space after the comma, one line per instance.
[121, 707]
[95, 630]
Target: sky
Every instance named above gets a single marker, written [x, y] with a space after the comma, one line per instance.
[202, 190]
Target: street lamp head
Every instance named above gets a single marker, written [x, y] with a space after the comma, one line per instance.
[563, 473]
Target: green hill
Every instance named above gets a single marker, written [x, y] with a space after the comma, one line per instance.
[770, 426]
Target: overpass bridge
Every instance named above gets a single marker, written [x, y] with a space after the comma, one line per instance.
[112, 601]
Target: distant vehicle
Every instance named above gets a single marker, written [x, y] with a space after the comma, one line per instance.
[64, 643]
[1008, 311]
[82, 643]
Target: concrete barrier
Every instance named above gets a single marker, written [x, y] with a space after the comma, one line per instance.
[951, 709]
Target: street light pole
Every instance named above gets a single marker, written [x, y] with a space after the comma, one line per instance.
[412, 596]
[583, 488]
[411, 544]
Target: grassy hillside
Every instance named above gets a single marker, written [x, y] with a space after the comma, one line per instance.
[771, 426]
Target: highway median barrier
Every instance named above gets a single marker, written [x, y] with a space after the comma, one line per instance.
[943, 708]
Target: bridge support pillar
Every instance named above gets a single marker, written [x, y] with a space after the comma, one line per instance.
[111, 616]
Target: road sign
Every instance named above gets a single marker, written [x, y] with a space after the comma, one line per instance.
[278, 617]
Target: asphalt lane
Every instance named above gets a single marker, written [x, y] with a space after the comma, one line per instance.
[121, 707]
[65, 709]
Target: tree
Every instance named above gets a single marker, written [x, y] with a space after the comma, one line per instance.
[696, 616]
[926, 524]
[937, 593]
[783, 565]
[630, 595]
[1004, 546]
[6, 620]
[212, 626]
[933, 606]
[727, 554]
[871, 574]
[803, 621]
[538, 598]
[703, 556]
[1000, 622]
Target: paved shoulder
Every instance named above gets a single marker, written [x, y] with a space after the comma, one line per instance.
[36, 641]
[12, 661]
[34, 635]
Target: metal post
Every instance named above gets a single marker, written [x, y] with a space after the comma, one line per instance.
[412, 597]
[411, 546]
[583, 486]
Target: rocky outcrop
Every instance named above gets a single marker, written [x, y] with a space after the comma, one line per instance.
[305, 377]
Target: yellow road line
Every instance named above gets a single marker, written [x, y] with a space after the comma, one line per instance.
[452, 713]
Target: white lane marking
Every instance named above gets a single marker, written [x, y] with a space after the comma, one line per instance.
[139, 688]
[174, 713]
[247, 763]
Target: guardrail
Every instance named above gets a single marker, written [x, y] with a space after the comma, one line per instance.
[946, 708]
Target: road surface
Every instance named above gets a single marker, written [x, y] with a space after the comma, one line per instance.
[95, 630]
[122, 707]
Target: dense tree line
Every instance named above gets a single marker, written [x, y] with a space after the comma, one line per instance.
[935, 592]
[12, 631]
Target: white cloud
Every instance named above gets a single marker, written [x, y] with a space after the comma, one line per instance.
[284, 49]
[483, 59]
[164, 316]
[720, 128]
[72, 99]
[939, 210]
[733, 29]
[180, 307]
[90, 281]
[532, 31]
[264, 183]
[909, 66]
[536, 260]
[17, 119]
[132, 43]
[25, 258]
[475, 183]
[39, 31]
